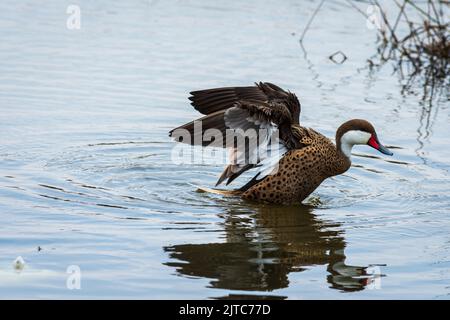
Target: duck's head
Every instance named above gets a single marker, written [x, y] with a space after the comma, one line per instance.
[358, 131]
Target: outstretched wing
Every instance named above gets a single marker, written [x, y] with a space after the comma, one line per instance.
[262, 110]
[213, 103]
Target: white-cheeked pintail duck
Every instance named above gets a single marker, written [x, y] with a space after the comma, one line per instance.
[293, 167]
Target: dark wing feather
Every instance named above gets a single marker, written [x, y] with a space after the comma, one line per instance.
[276, 94]
[188, 133]
[277, 112]
[274, 112]
[212, 100]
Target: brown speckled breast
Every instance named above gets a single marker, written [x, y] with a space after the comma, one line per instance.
[300, 171]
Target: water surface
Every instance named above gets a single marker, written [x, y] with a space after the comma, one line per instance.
[86, 176]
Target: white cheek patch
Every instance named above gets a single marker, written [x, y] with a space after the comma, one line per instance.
[352, 137]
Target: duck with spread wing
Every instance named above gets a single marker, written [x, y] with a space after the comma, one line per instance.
[288, 170]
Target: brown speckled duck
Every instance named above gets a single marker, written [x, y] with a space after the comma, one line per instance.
[288, 170]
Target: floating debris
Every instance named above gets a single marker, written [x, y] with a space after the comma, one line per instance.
[338, 57]
[19, 264]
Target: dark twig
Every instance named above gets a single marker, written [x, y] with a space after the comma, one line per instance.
[310, 21]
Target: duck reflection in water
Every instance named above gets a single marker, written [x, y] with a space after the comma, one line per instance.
[262, 248]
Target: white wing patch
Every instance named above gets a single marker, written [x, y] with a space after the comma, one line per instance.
[266, 153]
[269, 165]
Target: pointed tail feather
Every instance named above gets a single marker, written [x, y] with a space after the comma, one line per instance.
[219, 191]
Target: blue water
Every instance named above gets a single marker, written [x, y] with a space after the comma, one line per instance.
[87, 179]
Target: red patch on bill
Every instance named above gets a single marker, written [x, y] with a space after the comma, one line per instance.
[373, 142]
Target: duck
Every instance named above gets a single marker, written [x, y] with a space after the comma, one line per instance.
[260, 125]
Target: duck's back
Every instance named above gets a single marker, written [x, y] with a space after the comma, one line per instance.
[299, 171]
